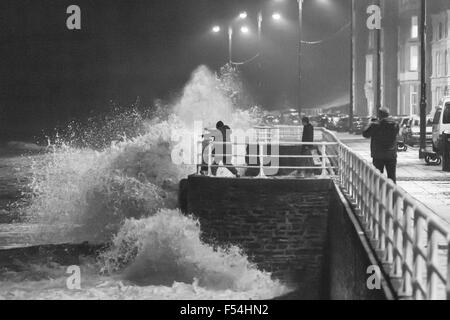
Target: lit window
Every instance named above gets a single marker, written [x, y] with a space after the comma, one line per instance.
[414, 58]
[414, 27]
[446, 63]
[438, 64]
[414, 99]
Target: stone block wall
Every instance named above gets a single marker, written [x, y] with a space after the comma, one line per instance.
[280, 224]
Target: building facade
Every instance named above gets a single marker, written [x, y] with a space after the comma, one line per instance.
[440, 51]
[400, 57]
[408, 102]
[388, 61]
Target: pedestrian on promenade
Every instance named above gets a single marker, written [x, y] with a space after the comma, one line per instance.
[224, 148]
[308, 136]
[383, 146]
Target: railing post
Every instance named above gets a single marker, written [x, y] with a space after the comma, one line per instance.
[389, 257]
[365, 194]
[199, 157]
[261, 161]
[210, 158]
[432, 262]
[407, 252]
[398, 236]
[376, 207]
[324, 158]
[447, 287]
[419, 229]
[382, 215]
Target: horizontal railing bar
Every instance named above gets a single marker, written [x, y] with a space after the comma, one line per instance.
[296, 143]
[270, 156]
[265, 167]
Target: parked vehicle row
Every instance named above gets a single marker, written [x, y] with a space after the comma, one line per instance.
[409, 125]
[440, 124]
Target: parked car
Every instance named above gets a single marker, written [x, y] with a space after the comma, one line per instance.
[316, 121]
[343, 124]
[331, 123]
[271, 120]
[441, 124]
[290, 117]
[411, 133]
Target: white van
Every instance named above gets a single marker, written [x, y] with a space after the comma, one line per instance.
[441, 123]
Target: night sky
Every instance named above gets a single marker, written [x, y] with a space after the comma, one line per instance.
[125, 49]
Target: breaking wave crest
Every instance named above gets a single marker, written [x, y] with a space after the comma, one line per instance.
[167, 248]
[125, 194]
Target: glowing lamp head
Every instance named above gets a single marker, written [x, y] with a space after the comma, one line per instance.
[276, 16]
[243, 15]
[245, 30]
[216, 29]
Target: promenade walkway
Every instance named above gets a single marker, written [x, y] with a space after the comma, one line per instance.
[427, 183]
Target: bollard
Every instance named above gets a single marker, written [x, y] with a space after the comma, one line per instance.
[446, 152]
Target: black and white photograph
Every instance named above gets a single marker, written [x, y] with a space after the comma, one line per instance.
[233, 157]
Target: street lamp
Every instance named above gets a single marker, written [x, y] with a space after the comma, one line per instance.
[245, 30]
[276, 16]
[243, 15]
[352, 65]
[300, 36]
[423, 82]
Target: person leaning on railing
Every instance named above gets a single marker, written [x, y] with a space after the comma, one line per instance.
[383, 146]
[223, 139]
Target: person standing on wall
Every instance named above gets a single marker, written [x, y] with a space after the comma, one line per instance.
[308, 136]
[383, 134]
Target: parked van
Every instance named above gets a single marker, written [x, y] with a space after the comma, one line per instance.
[441, 123]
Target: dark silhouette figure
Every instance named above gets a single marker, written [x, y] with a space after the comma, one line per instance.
[308, 136]
[383, 133]
[223, 149]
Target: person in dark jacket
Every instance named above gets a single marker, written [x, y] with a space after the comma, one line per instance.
[308, 132]
[308, 136]
[224, 150]
[383, 133]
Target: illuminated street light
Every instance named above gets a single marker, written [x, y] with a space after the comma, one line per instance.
[276, 16]
[216, 29]
[245, 29]
[243, 15]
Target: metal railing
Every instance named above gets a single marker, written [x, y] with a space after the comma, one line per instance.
[404, 233]
[258, 156]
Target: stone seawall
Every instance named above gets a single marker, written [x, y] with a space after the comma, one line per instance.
[280, 224]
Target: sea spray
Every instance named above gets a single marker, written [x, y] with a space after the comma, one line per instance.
[84, 195]
[124, 194]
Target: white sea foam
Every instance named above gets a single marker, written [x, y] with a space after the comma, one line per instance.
[126, 195]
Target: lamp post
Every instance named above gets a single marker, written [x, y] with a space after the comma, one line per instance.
[300, 36]
[352, 66]
[377, 101]
[423, 83]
